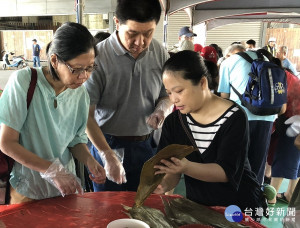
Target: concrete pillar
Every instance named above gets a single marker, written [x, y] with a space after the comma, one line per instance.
[111, 26]
[263, 34]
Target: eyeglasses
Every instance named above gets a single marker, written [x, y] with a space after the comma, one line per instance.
[78, 71]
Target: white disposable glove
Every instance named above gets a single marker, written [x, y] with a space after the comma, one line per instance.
[162, 109]
[294, 129]
[65, 181]
[112, 161]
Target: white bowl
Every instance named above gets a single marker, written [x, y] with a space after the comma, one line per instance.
[127, 223]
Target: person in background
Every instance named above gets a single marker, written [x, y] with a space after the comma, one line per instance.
[218, 172]
[44, 138]
[271, 47]
[231, 50]
[294, 204]
[218, 50]
[268, 169]
[250, 45]
[282, 55]
[209, 53]
[198, 48]
[234, 71]
[100, 36]
[185, 33]
[213, 75]
[36, 51]
[186, 45]
[286, 158]
[128, 99]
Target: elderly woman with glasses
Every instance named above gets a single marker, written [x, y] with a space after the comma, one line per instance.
[44, 137]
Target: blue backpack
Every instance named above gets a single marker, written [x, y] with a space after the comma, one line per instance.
[266, 90]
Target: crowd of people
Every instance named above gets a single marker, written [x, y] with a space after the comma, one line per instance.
[115, 91]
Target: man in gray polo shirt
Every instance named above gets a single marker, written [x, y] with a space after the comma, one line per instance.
[127, 96]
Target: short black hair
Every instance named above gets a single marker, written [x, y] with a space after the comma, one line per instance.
[251, 42]
[215, 46]
[100, 36]
[190, 63]
[69, 41]
[213, 70]
[138, 10]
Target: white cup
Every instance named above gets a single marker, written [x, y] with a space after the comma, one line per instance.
[127, 223]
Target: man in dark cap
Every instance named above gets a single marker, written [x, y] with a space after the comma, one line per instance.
[36, 49]
[185, 34]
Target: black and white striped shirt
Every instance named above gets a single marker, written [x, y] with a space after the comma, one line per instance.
[204, 134]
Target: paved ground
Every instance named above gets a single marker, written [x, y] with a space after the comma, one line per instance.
[5, 74]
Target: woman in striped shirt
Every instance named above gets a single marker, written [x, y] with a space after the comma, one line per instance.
[218, 173]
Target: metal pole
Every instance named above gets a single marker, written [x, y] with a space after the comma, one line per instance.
[79, 11]
[167, 7]
[165, 42]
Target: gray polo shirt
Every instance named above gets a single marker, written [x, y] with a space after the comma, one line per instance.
[125, 90]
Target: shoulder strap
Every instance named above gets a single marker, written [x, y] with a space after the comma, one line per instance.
[32, 86]
[245, 56]
[186, 131]
[237, 92]
[260, 56]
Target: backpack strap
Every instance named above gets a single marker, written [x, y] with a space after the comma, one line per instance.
[32, 86]
[245, 56]
[237, 92]
[260, 56]
[248, 59]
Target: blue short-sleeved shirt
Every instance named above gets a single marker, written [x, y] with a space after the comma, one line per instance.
[234, 71]
[125, 90]
[44, 130]
[287, 64]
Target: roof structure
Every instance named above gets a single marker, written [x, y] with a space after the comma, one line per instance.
[220, 12]
[213, 12]
[12, 8]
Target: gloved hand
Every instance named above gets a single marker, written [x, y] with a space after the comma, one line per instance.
[294, 129]
[113, 167]
[156, 119]
[97, 172]
[65, 181]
